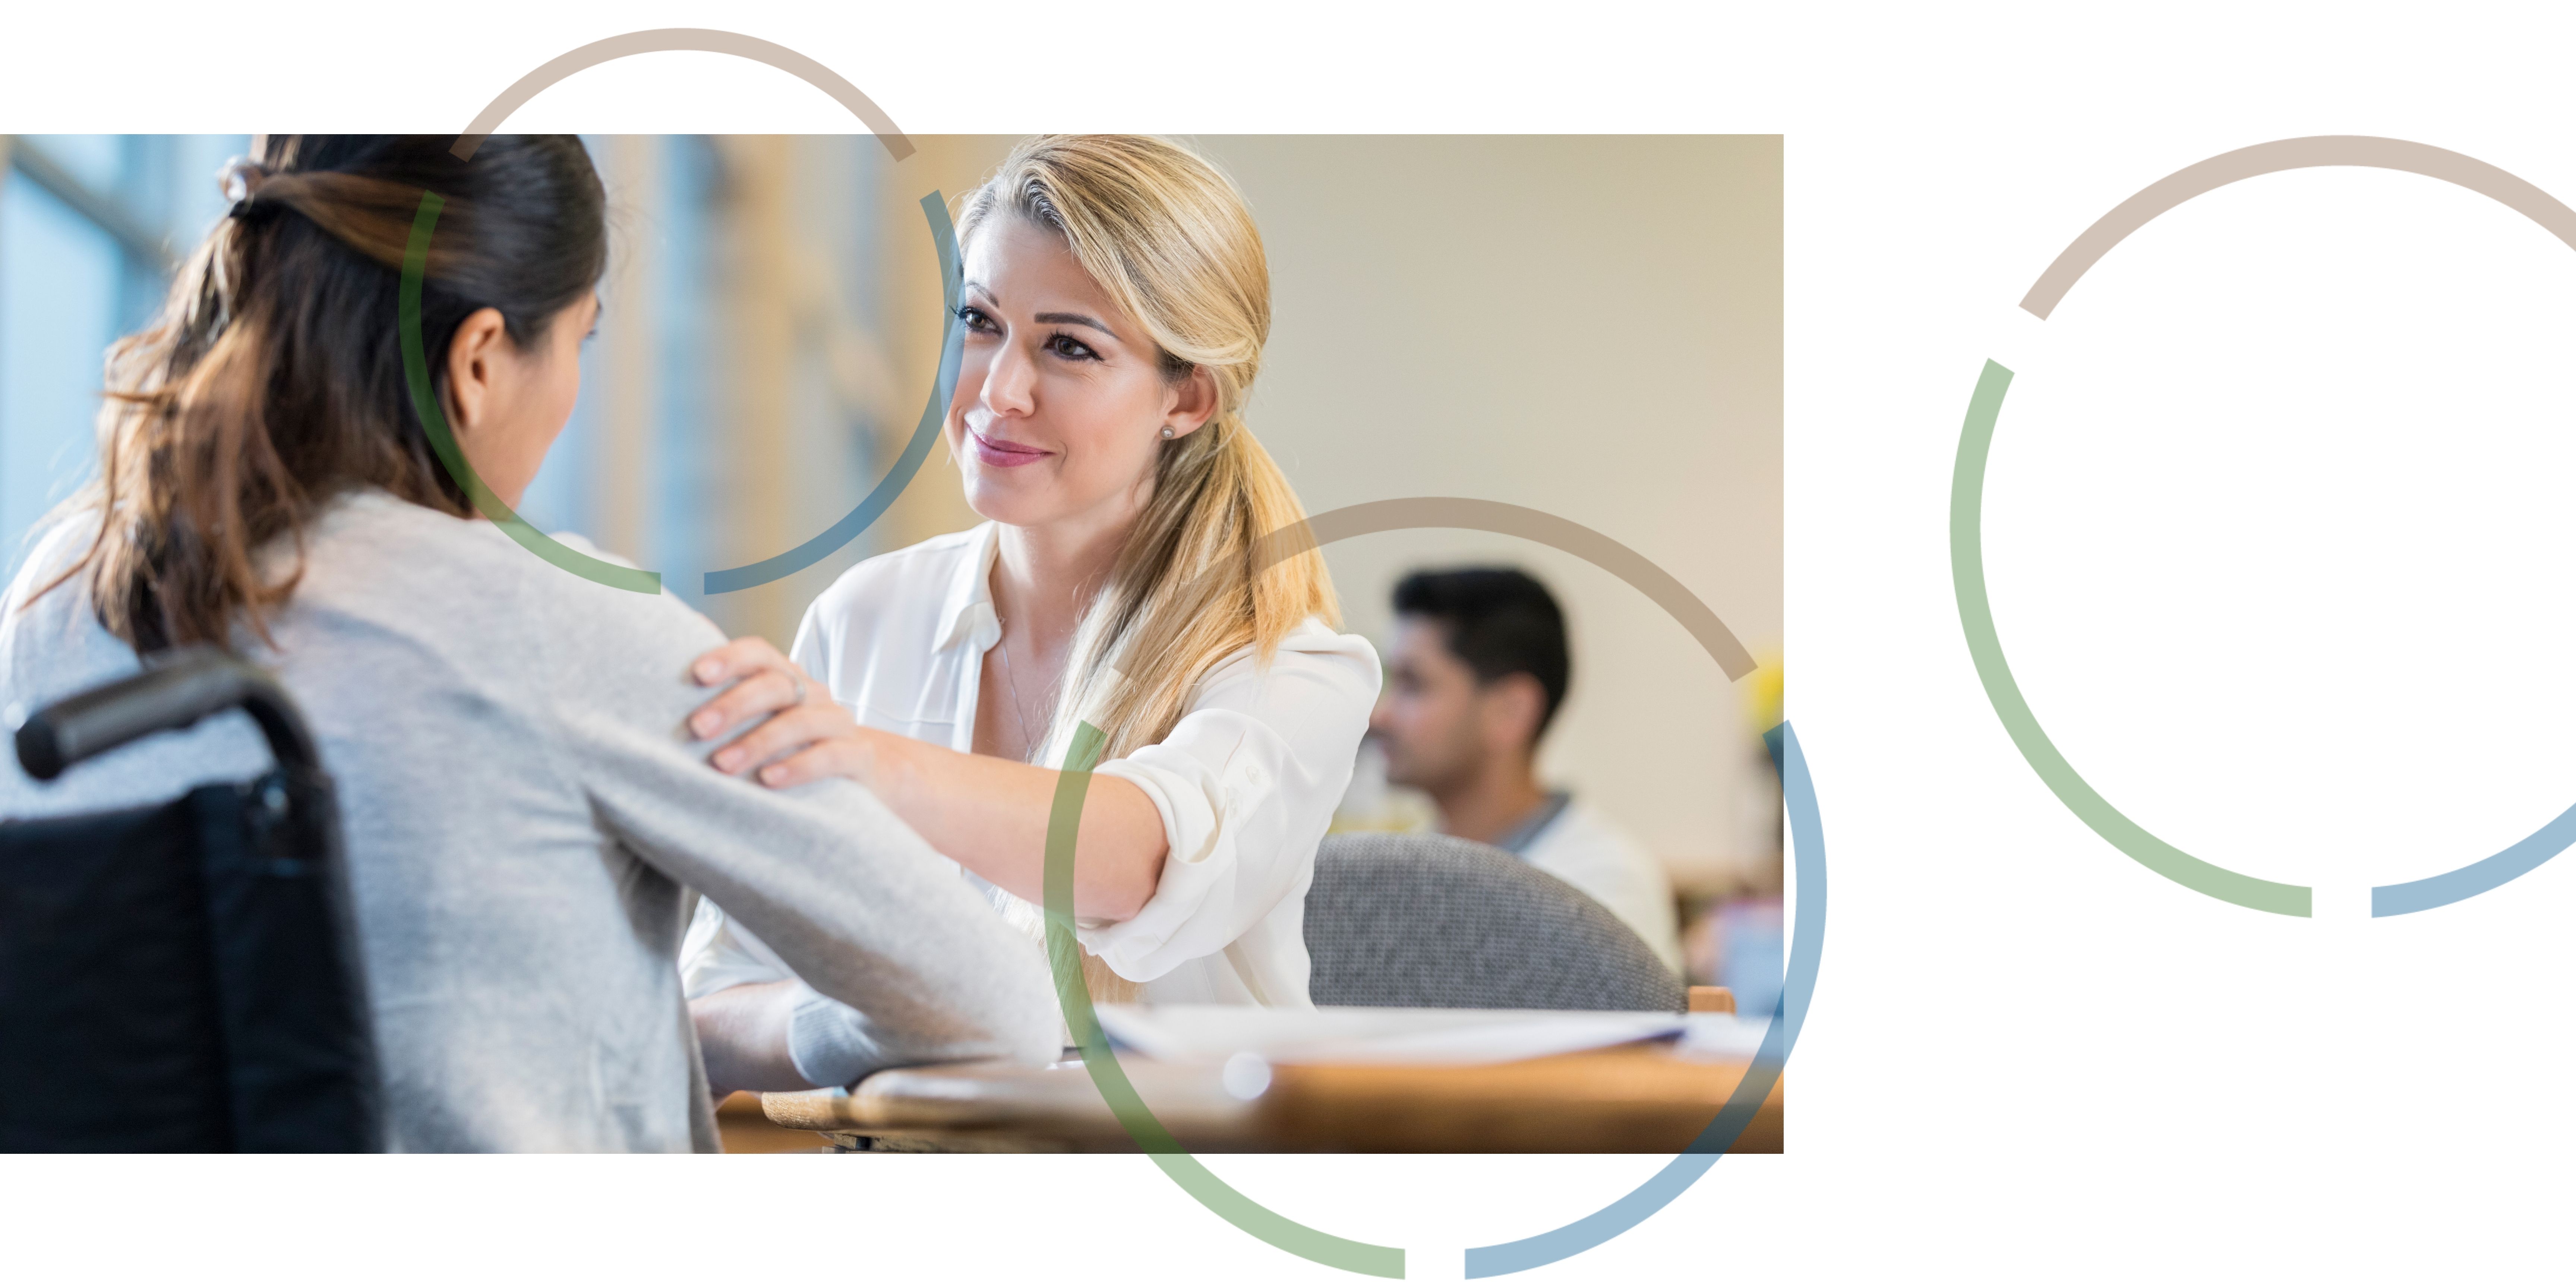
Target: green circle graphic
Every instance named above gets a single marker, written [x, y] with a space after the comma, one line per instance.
[1967, 487]
[1977, 618]
[1064, 953]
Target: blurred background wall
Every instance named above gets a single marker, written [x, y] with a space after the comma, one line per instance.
[1585, 325]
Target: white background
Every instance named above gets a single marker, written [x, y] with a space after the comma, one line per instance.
[2279, 550]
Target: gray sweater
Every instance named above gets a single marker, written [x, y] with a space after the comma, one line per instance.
[525, 818]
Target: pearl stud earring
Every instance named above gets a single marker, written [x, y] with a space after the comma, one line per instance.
[1167, 431]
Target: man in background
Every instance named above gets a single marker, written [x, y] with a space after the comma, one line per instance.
[1475, 672]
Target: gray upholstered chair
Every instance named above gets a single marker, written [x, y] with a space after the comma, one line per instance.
[1418, 919]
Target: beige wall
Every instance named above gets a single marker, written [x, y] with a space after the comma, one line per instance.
[1589, 326]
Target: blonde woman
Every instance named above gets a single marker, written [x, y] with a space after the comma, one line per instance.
[1115, 304]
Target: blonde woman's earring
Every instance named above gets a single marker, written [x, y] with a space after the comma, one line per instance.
[1167, 431]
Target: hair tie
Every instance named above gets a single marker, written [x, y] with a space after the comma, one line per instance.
[241, 180]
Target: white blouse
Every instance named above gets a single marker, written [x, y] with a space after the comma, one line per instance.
[1246, 782]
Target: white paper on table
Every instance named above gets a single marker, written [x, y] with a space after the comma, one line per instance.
[1716, 1035]
[1374, 1035]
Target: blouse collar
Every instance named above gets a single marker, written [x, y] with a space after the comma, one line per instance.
[969, 603]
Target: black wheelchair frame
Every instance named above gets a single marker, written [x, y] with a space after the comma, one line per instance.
[184, 976]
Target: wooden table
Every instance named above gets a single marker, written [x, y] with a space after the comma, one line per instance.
[1642, 1098]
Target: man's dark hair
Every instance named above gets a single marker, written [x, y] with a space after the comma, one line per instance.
[1499, 621]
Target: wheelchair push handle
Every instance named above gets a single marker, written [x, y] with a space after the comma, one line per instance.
[175, 690]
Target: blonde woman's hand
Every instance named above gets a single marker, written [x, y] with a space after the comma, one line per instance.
[805, 735]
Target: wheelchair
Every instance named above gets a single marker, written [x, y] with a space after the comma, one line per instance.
[182, 977]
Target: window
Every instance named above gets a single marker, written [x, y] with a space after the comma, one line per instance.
[90, 226]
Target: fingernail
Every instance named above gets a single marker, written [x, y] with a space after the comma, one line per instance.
[702, 725]
[728, 759]
[707, 669]
[773, 774]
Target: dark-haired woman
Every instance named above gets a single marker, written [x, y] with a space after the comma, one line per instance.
[524, 813]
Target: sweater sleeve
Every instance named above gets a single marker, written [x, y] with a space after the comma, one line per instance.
[823, 875]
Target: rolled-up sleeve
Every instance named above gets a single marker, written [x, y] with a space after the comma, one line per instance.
[1246, 784]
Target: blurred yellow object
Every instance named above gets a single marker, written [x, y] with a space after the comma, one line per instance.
[1763, 693]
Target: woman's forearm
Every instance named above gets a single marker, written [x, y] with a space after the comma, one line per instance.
[987, 813]
[991, 814]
